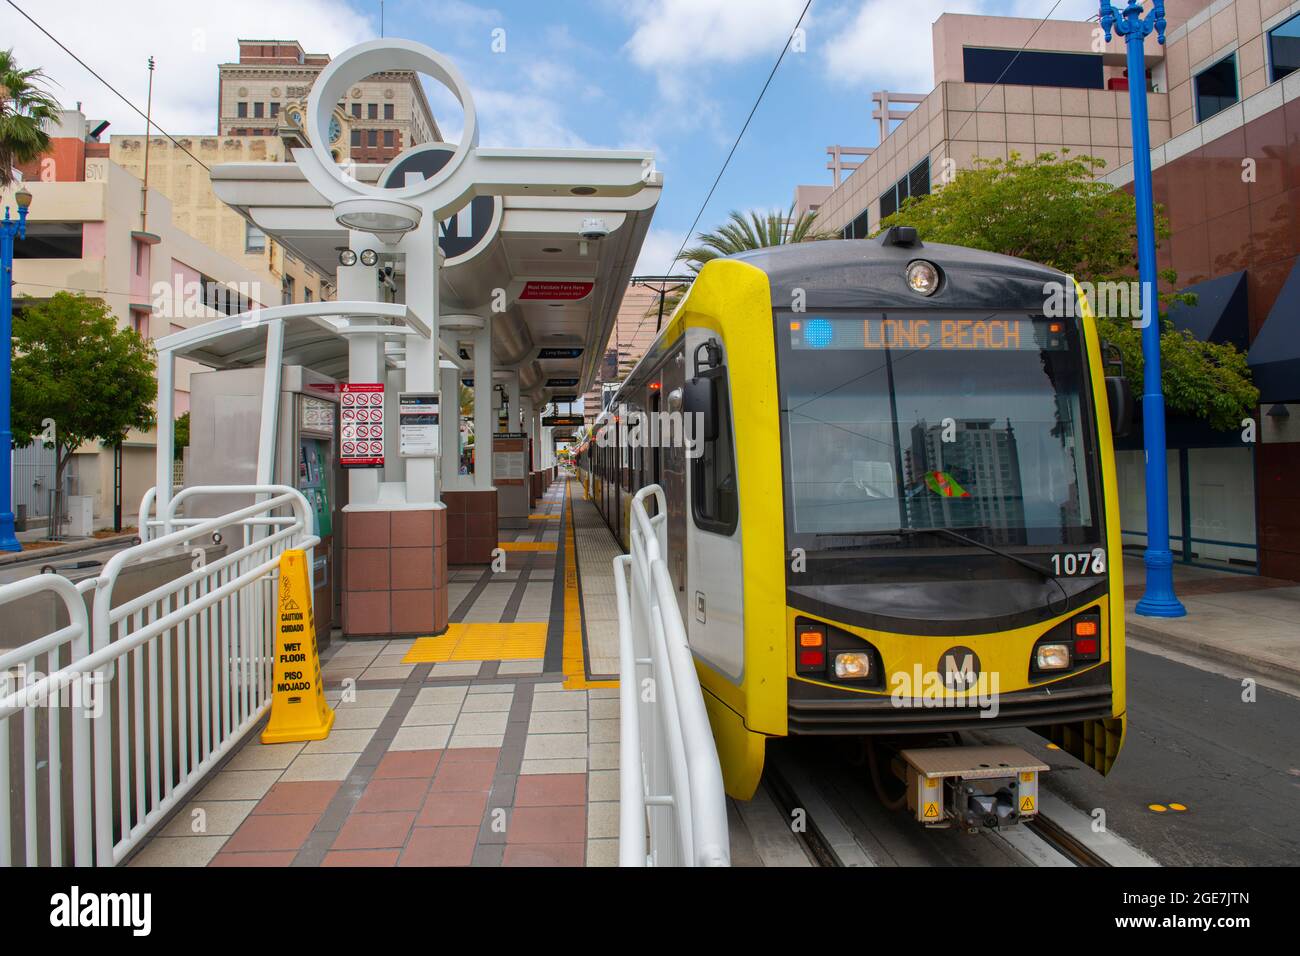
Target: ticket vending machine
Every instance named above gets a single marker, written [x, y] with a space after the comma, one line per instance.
[225, 425]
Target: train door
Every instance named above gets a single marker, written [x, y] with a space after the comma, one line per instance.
[673, 476]
[714, 590]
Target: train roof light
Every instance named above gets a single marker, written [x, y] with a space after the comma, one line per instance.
[905, 236]
[922, 277]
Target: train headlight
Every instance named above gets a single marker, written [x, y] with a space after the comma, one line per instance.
[1052, 657]
[347, 258]
[922, 277]
[852, 665]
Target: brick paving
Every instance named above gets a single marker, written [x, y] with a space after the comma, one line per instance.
[451, 763]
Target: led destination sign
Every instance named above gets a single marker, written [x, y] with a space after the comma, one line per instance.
[973, 331]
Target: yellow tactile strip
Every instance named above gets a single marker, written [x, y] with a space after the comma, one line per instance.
[481, 642]
[545, 517]
[526, 545]
[574, 662]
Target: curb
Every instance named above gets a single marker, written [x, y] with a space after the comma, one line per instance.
[1288, 673]
[64, 550]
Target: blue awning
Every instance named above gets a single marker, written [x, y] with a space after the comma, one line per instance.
[1219, 314]
[1274, 356]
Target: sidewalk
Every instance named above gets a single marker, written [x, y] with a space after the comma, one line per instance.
[1242, 620]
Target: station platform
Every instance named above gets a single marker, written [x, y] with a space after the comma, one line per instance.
[494, 744]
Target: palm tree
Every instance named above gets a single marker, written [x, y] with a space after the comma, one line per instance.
[24, 105]
[741, 234]
[757, 231]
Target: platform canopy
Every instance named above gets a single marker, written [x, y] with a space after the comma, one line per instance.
[315, 335]
[561, 292]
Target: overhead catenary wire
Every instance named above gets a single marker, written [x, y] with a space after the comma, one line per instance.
[732, 152]
[110, 86]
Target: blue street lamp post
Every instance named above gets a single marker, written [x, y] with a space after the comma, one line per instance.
[1159, 599]
[9, 228]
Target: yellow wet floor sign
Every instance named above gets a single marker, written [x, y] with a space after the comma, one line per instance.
[298, 708]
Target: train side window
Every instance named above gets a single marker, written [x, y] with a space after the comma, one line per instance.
[714, 500]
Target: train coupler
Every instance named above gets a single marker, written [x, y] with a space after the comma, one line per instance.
[972, 787]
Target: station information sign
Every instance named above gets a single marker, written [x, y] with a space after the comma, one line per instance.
[361, 425]
[946, 331]
[418, 424]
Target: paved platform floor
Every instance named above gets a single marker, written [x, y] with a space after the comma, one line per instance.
[493, 745]
[1241, 620]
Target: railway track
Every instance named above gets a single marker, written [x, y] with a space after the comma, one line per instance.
[838, 819]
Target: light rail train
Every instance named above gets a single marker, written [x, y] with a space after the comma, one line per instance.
[892, 512]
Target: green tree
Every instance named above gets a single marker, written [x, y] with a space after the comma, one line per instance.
[24, 104]
[181, 436]
[1053, 211]
[73, 364]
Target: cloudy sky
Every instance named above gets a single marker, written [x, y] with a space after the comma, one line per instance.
[675, 76]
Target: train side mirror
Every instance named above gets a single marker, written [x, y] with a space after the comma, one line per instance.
[1119, 396]
[700, 402]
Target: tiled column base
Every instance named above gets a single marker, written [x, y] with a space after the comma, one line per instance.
[394, 573]
[471, 526]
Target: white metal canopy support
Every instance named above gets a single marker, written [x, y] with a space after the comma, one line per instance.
[166, 432]
[270, 402]
[484, 420]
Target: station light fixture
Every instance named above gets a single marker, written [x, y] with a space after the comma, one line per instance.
[922, 277]
[387, 218]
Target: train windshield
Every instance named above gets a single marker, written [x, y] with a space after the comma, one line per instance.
[976, 422]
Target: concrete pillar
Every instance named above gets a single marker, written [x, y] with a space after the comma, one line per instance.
[422, 371]
[484, 415]
[356, 283]
[512, 393]
[449, 430]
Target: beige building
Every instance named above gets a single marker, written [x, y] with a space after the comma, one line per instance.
[182, 175]
[634, 333]
[84, 236]
[265, 94]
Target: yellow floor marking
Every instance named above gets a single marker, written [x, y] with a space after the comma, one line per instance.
[481, 642]
[526, 545]
[545, 517]
[574, 663]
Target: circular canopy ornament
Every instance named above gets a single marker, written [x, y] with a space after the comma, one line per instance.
[380, 56]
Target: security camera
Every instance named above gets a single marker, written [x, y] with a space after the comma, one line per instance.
[593, 229]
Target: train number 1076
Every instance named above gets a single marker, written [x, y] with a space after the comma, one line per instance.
[1080, 563]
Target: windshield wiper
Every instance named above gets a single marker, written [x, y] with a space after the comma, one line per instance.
[946, 532]
[954, 535]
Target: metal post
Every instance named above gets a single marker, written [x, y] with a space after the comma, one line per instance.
[9, 228]
[1159, 599]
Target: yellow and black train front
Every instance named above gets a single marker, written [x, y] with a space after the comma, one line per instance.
[944, 504]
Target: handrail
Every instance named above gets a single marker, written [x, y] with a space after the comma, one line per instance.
[674, 809]
[153, 692]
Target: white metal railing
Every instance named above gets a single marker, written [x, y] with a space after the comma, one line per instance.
[151, 690]
[672, 809]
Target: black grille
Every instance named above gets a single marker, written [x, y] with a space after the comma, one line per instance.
[876, 715]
